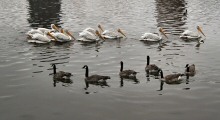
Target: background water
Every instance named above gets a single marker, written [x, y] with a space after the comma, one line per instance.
[27, 90]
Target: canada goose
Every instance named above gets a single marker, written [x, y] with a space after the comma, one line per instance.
[171, 78]
[127, 73]
[191, 70]
[61, 74]
[151, 68]
[94, 78]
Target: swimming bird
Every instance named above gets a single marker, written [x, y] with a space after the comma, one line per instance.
[94, 78]
[189, 35]
[151, 68]
[127, 73]
[54, 28]
[63, 36]
[39, 38]
[191, 70]
[61, 74]
[172, 78]
[90, 37]
[151, 37]
[107, 34]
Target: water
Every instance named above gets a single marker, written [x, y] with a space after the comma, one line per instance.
[27, 90]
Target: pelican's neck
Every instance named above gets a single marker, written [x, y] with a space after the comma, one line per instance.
[121, 67]
[87, 72]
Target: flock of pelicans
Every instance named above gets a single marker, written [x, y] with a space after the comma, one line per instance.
[90, 35]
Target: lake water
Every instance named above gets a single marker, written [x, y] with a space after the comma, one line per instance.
[27, 89]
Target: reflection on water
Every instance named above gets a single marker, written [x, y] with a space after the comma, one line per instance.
[43, 13]
[171, 14]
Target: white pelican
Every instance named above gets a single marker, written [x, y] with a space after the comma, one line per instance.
[187, 34]
[110, 34]
[89, 29]
[43, 30]
[151, 37]
[90, 37]
[39, 38]
[63, 36]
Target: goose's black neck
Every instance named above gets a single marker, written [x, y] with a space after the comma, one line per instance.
[87, 72]
[161, 73]
[187, 69]
[121, 66]
[54, 69]
[148, 60]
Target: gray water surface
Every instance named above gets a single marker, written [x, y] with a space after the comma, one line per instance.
[27, 89]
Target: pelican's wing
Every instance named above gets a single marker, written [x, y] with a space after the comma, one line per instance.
[110, 35]
[150, 37]
[88, 35]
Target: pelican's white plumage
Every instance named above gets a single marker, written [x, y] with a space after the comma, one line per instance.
[187, 34]
[151, 37]
[63, 36]
[39, 38]
[107, 34]
[90, 35]
[43, 30]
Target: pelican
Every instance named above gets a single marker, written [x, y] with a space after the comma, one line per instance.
[63, 36]
[39, 38]
[187, 34]
[107, 34]
[43, 30]
[151, 37]
[90, 37]
[89, 29]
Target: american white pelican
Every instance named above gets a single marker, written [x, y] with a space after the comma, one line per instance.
[54, 28]
[107, 34]
[39, 38]
[187, 34]
[151, 37]
[89, 29]
[63, 36]
[90, 37]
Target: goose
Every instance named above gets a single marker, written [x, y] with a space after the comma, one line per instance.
[39, 38]
[171, 78]
[61, 74]
[90, 37]
[54, 28]
[151, 68]
[151, 37]
[190, 35]
[63, 36]
[127, 73]
[107, 34]
[94, 78]
[191, 70]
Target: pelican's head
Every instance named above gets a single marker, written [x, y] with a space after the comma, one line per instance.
[119, 30]
[54, 27]
[200, 30]
[100, 27]
[68, 33]
[62, 30]
[162, 31]
[49, 34]
[99, 35]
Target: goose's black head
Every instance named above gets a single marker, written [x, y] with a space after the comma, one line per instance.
[187, 65]
[84, 67]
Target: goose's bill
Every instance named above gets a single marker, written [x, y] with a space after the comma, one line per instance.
[200, 30]
[162, 31]
[97, 33]
[119, 30]
[100, 27]
[67, 32]
[55, 27]
[49, 34]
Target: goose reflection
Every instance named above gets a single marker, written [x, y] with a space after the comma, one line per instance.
[129, 79]
[43, 13]
[65, 82]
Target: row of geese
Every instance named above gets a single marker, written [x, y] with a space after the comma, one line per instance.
[151, 69]
[90, 35]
